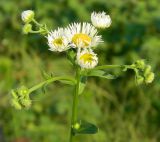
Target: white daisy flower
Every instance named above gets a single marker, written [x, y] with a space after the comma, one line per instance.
[87, 59]
[83, 35]
[27, 16]
[100, 20]
[57, 40]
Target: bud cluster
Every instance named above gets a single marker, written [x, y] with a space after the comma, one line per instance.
[20, 98]
[143, 72]
[28, 17]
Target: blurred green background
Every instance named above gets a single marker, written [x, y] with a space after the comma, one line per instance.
[123, 111]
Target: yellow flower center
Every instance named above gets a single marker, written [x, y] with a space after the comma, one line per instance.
[87, 57]
[58, 41]
[81, 38]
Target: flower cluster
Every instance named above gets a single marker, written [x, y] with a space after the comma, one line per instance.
[20, 98]
[82, 37]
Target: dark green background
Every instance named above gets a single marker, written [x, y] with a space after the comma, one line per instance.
[123, 111]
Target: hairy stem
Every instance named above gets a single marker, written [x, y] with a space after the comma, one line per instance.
[75, 105]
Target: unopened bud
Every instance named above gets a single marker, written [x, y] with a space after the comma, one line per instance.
[27, 28]
[26, 102]
[140, 64]
[149, 78]
[27, 16]
[147, 70]
[139, 80]
[23, 91]
[77, 126]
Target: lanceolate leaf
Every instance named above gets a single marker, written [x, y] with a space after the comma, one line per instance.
[101, 73]
[86, 128]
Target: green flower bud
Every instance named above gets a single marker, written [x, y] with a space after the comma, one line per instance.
[139, 79]
[147, 70]
[26, 103]
[27, 28]
[23, 91]
[77, 126]
[16, 104]
[27, 16]
[149, 78]
[140, 64]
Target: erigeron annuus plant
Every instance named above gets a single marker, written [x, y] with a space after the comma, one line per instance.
[78, 40]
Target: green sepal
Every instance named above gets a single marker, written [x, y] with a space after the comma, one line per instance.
[85, 128]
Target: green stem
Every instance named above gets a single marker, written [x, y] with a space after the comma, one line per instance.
[35, 32]
[68, 78]
[41, 26]
[109, 66]
[75, 105]
[38, 24]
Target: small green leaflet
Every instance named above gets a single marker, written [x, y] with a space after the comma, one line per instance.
[85, 128]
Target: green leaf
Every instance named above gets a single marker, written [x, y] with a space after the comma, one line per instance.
[85, 128]
[101, 73]
[82, 84]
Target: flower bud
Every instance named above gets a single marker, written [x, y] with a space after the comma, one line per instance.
[101, 20]
[149, 78]
[147, 70]
[27, 16]
[77, 126]
[26, 102]
[23, 91]
[139, 80]
[27, 28]
[140, 64]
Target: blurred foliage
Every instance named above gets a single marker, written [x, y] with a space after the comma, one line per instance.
[123, 111]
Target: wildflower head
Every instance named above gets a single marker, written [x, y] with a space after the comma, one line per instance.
[83, 35]
[87, 59]
[101, 20]
[57, 40]
[20, 98]
[27, 16]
